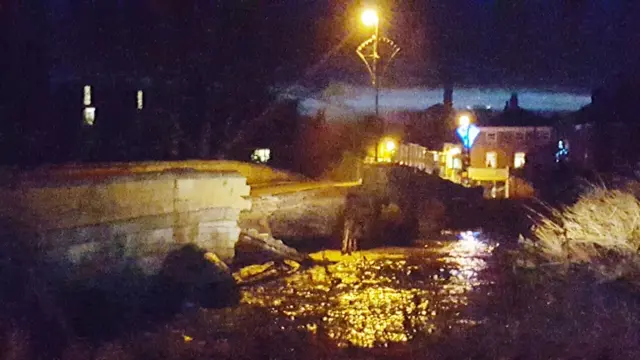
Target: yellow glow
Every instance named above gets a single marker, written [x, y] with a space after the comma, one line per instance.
[367, 299]
[386, 149]
[491, 159]
[391, 145]
[370, 17]
[454, 151]
[464, 120]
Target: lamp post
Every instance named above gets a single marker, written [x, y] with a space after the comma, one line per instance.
[370, 18]
[369, 53]
[463, 123]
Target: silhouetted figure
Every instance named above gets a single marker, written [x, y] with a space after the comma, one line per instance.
[352, 232]
[361, 216]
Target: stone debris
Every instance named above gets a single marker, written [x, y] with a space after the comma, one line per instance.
[253, 241]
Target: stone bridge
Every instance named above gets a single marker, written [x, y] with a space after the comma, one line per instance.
[94, 219]
[100, 218]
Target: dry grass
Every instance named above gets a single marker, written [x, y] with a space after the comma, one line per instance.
[602, 230]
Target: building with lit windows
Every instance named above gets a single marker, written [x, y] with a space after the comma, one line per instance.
[510, 146]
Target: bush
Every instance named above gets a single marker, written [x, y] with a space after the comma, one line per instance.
[602, 230]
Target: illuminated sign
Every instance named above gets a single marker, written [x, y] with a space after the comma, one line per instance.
[468, 134]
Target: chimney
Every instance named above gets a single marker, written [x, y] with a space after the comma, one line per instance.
[448, 97]
[513, 102]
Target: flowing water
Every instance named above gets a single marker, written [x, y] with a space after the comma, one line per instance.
[456, 298]
[382, 297]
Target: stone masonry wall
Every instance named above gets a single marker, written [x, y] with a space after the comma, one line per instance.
[301, 216]
[94, 226]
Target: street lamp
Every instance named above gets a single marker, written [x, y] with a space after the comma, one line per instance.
[370, 18]
[387, 147]
[464, 121]
[391, 145]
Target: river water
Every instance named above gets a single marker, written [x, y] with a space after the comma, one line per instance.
[374, 300]
[377, 298]
[451, 298]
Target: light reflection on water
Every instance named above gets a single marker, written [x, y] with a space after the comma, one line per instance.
[377, 300]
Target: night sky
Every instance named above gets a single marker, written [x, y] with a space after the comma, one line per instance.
[530, 43]
[571, 46]
[567, 43]
[539, 45]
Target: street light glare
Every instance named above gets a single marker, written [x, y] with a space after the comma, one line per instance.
[370, 17]
[464, 121]
[391, 145]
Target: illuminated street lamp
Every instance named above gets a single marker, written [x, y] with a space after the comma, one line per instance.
[464, 121]
[387, 148]
[370, 18]
[390, 145]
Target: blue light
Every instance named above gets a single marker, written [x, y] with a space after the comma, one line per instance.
[563, 151]
[468, 134]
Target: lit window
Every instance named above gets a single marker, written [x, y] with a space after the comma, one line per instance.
[87, 95]
[519, 160]
[491, 159]
[261, 155]
[457, 163]
[89, 115]
[491, 137]
[140, 99]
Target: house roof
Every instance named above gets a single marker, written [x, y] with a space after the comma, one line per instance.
[517, 118]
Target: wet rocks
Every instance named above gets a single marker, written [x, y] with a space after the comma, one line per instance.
[195, 275]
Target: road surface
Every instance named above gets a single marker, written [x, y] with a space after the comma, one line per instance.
[291, 187]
